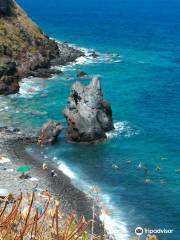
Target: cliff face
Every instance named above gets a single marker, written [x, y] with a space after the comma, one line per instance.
[24, 48]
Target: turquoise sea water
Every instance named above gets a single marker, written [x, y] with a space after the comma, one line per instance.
[143, 90]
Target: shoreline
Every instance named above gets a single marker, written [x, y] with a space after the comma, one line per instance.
[13, 146]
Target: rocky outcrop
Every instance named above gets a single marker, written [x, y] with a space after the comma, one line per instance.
[9, 78]
[67, 54]
[88, 115]
[82, 74]
[23, 43]
[50, 132]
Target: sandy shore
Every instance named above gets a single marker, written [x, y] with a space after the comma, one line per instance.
[12, 146]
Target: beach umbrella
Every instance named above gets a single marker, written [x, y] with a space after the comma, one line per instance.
[23, 169]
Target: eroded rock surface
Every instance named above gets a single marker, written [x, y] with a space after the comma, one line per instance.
[88, 115]
[50, 132]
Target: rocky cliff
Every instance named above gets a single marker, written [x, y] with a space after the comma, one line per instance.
[25, 50]
[88, 115]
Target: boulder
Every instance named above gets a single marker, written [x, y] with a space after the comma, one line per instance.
[50, 132]
[88, 115]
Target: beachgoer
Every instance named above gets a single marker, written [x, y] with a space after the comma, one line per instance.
[147, 180]
[114, 166]
[44, 166]
[129, 161]
[52, 173]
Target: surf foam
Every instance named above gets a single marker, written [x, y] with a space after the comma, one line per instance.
[113, 224]
[122, 129]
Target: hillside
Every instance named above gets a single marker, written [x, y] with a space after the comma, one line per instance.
[24, 49]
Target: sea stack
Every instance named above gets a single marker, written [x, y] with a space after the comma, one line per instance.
[88, 115]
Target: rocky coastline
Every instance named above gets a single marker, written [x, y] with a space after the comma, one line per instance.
[25, 50]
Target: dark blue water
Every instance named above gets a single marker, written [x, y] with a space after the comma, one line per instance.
[144, 93]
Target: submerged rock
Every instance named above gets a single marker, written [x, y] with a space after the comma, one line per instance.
[82, 74]
[88, 115]
[50, 132]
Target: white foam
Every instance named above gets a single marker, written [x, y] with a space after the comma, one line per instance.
[114, 223]
[29, 87]
[66, 170]
[122, 129]
[88, 58]
[114, 227]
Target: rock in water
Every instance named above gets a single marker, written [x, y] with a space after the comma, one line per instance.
[89, 117]
[50, 132]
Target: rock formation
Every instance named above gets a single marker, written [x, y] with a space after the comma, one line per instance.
[88, 115]
[8, 78]
[26, 47]
[50, 132]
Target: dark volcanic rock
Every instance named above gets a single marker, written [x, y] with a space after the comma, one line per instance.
[50, 132]
[8, 78]
[45, 72]
[89, 117]
[67, 54]
[82, 74]
[94, 55]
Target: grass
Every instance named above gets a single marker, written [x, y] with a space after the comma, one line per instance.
[19, 34]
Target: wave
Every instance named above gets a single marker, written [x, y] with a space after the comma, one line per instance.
[113, 224]
[88, 57]
[66, 170]
[30, 87]
[122, 129]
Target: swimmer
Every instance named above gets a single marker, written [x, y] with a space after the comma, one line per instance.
[147, 180]
[158, 168]
[114, 166]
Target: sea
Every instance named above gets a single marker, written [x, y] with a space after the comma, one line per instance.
[136, 168]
